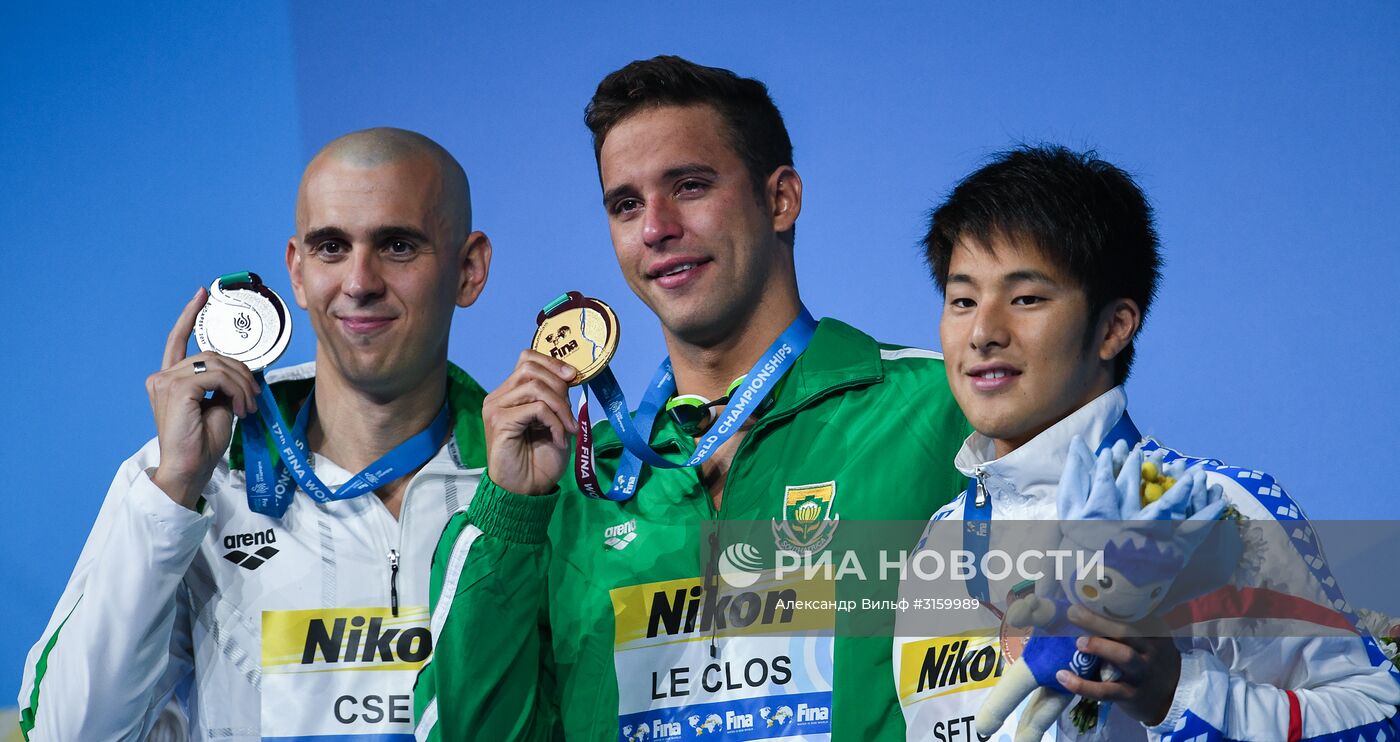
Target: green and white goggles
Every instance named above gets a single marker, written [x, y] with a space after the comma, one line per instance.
[695, 414]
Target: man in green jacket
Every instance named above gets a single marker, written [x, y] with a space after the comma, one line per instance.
[555, 614]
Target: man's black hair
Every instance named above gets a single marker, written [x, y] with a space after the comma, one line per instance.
[1086, 215]
[756, 129]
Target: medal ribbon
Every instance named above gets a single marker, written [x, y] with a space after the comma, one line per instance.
[635, 431]
[293, 469]
[977, 521]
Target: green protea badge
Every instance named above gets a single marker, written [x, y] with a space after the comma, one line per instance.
[808, 521]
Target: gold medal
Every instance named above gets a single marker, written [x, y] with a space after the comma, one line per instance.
[579, 331]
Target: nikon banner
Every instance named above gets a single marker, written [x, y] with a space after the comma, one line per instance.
[748, 662]
[341, 673]
[1227, 578]
[752, 642]
[746, 650]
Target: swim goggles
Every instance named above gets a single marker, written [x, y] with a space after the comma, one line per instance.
[695, 414]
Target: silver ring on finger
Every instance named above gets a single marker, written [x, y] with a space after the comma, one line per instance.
[199, 367]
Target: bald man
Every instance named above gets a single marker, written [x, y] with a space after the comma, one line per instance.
[312, 623]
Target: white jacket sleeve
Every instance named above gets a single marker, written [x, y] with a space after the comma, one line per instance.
[109, 659]
[1286, 664]
[1277, 655]
[1337, 690]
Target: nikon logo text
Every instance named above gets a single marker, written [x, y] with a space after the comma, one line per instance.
[358, 640]
[957, 663]
[686, 611]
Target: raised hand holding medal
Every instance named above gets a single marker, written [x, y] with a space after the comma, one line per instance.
[193, 429]
[527, 417]
[245, 324]
[583, 333]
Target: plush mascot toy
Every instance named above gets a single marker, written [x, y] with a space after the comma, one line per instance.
[1145, 549]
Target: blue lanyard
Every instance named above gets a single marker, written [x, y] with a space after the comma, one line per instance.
[635, 432]
[977, 517]
[293, 470]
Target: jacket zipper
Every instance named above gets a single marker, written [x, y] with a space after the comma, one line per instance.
[710, 581]
[394, 581]
[401, 528]
[981, 475]
[712, 589]
[711, 578]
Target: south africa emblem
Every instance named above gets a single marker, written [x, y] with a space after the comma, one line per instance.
[808, 523]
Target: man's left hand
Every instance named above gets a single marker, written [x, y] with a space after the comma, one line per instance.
[1145, 655]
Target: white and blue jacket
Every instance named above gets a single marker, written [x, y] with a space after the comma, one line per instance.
[1259, 663]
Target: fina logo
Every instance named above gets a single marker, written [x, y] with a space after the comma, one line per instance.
[739, 565]
[782, 716]
[711, 724]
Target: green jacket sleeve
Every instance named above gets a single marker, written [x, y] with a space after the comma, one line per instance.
[491, 672]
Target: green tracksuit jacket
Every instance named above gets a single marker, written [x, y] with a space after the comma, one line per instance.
[562, 616]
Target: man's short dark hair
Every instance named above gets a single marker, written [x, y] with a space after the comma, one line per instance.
[756, 129]
[1086, 215]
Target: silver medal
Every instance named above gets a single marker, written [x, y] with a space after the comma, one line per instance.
[244, 320]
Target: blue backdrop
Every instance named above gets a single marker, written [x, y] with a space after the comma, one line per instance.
[145, 150]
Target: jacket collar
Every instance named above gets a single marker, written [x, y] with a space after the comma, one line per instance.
[1033, 470]
[838, 357]
[291, 385]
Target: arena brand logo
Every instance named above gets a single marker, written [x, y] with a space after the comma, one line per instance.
[619, 536]
[236, 542]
